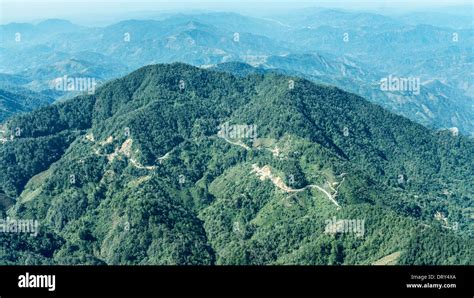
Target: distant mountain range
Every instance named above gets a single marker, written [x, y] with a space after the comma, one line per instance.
[353, 51]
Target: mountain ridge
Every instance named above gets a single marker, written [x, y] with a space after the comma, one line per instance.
[144, 152]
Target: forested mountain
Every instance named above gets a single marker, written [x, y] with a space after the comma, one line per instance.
[14, 100]
[428, 107]
[174, 164]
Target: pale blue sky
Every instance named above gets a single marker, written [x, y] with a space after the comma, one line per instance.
[87, 11]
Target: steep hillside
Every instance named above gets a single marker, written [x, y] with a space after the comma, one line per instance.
[436, 105]
[15, 100]
[174, 164]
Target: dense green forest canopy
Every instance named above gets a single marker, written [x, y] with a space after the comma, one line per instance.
[138, 173]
